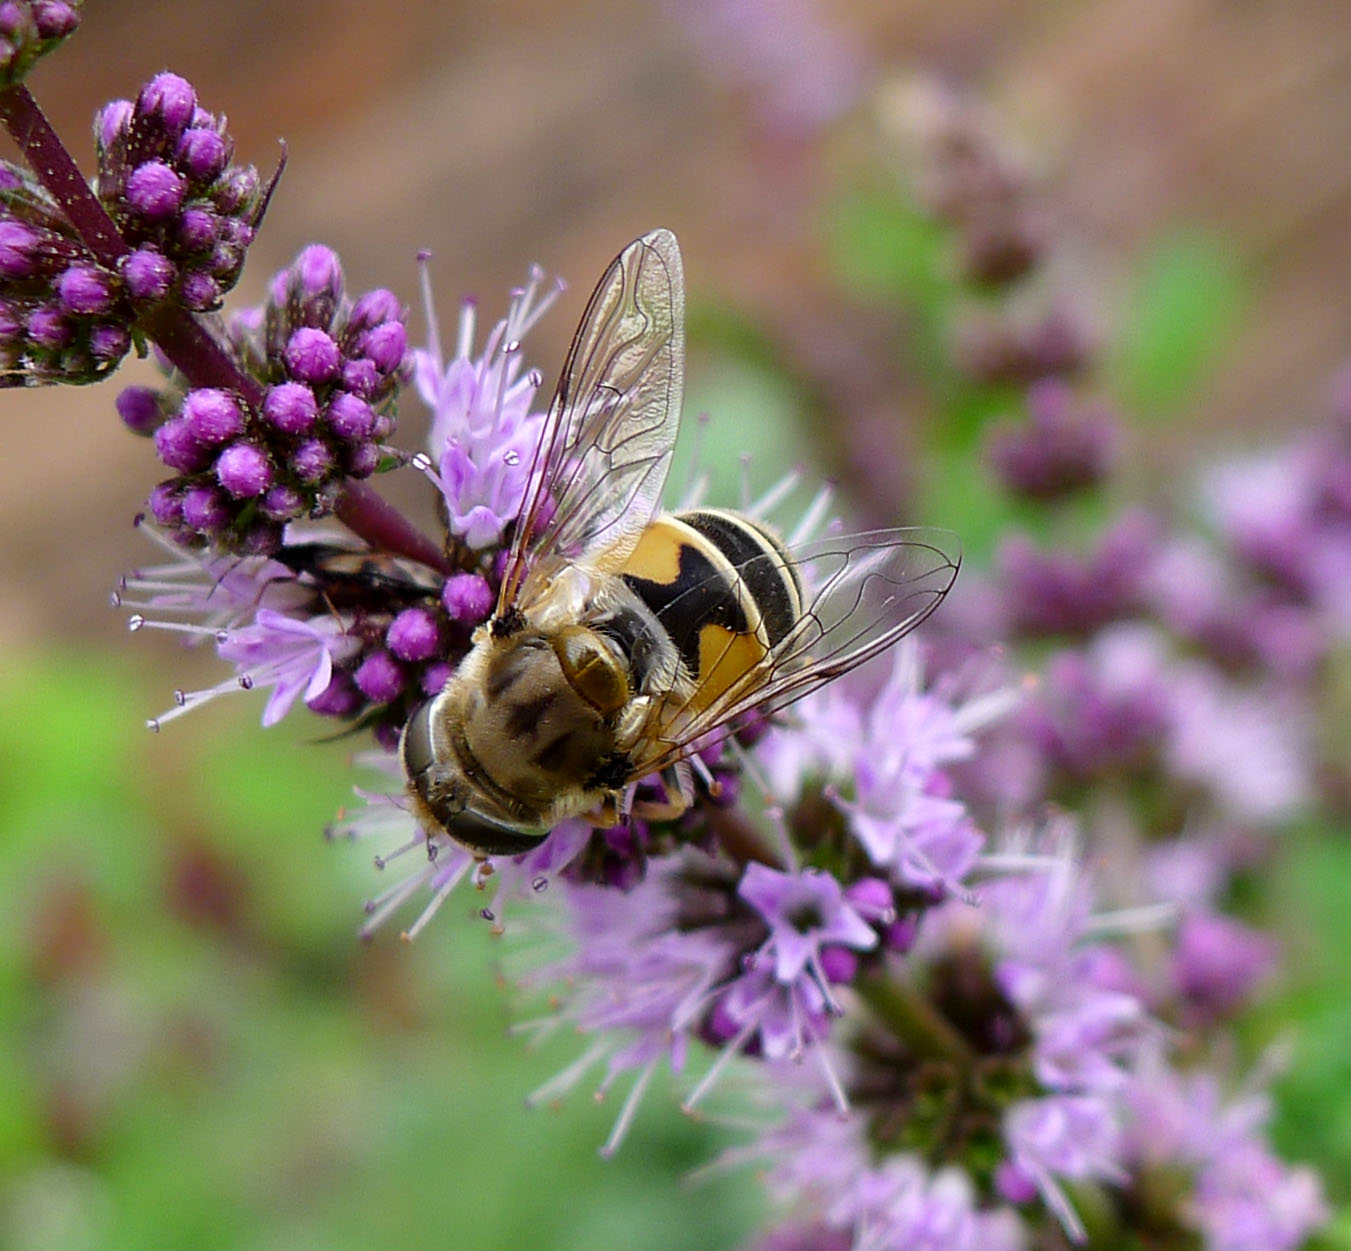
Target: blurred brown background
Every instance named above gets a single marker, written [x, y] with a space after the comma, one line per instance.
[500, 133]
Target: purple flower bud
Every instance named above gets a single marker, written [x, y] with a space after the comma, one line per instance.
[85, 289]
[263, 538]
[839, 964]
[291, 408]
[283, 503]
[237, 190]
[1218, 961]
[149, 274]
[318, 272]
[278, 288]
[200, 291]
[361, 460]
[166, 504]
[311, 355]
[109, 342]
[384, 426]
[234, 231]
[468, 598]
[18, 243]
[1064, 447]
[373, 308]
[413, 635]
[54, 19]
[1014, 1184]
[379, 678]
[197, 229]
[871, 897]
[349, 417]
[139, 409]
[177, 448]
[243, 470]
[900, 935]
[361, 377]
[111, 122]
[155, 190]
[338, 699]
[203, 153]
[385, 344]
[213, 416]
[435, 677]
[48, 327]
[225, 261]
[205, 509]
[312, 461]
[169, 97]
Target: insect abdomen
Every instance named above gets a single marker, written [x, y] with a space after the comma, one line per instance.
[722, 589]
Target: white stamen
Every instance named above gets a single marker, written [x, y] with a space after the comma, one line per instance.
[434, 905]
[776, 494]
[1144, 919]
[729, 1049]
[429, 310]
[832, 1078]
[379, 909]
[811, 519]
[628, 1111]
[562, 1082]
[696, 479]
[464, 342]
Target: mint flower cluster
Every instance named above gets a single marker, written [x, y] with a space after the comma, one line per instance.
[961, 1015]
[328, 371]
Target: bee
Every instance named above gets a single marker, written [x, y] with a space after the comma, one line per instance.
[625, 638]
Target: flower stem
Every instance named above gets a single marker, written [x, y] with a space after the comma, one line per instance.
[904, 1010]
[57, 171]
[384, 527]
[739, 838]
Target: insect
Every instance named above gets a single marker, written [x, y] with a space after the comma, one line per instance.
[625, 638]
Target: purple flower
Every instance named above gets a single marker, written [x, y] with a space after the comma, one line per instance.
[805, 912]
[1248, 746]
[292, 656]
[1242, 1197]
[257, 613]
[1218, 961]
[800, 69]
[483, 434]
[901, 810]
[1106, 708]
[1057, 593]
[1064, 447]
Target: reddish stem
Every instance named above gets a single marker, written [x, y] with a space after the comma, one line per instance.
[57, 171]
[383, 526]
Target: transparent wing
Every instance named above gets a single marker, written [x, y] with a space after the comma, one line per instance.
[601, 463]
[862, 592]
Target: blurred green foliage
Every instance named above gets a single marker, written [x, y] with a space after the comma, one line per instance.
[196, 1052]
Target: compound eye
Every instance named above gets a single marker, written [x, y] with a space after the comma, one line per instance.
[592, 669]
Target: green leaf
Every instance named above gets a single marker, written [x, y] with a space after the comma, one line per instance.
[1183, 313]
